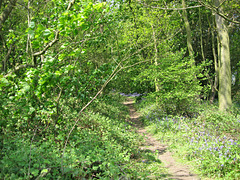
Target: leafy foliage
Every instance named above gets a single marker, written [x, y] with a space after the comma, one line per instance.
[98, 147]
[178, 86]
[56, 57]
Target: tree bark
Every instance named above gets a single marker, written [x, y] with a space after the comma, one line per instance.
[188, 29]
[156, 57]
[6, 59]
[201, 35]
[216, 77]
[225, 76]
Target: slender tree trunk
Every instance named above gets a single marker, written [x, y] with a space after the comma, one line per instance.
[29, 43]
[155, 59]
[201, 38]
[225, 76]
[188, 29]
[214, 85]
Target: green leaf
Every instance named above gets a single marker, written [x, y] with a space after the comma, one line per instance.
[31, 110]
[44, 171]
[36, 43]
[32, 24]
[95, 168]
[58, 73]
[65, 13]
[3, 82]
[40, 27]
[83, 51]
[35, 172]
[46, 33]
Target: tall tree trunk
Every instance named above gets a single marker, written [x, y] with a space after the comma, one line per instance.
[188, 29]
[156, 57]
[225, 76]
[216, 77]
[201, 35]
[6, 59]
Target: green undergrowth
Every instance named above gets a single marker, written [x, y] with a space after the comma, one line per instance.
[101, 146]
[208, 141]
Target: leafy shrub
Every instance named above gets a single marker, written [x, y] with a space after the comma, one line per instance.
[178, 83]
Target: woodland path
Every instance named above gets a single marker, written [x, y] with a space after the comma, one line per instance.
[176, 170]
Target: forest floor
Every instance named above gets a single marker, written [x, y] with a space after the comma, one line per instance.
[175, 169]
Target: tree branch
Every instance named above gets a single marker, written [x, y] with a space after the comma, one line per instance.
[48, 46]
[215, 10]
[7, 57]
[113, 74]
[175, 9]
[3, 18]
[56, 36]
[221, 4]
[70, 4]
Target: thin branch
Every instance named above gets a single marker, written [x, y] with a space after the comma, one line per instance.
[48, 46]
[7, 57]
[215, 10]
[59, 95]
[221, 4]
[43, 173]
[114, 73]
[80, 112]
[56, 36]
[174, 9]
[140, 62]
[82, 41]
[70, 4]
[22, 5]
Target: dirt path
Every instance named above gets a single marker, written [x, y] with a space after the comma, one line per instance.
[176, 170]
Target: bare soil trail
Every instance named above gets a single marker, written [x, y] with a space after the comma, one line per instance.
[176, 170]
